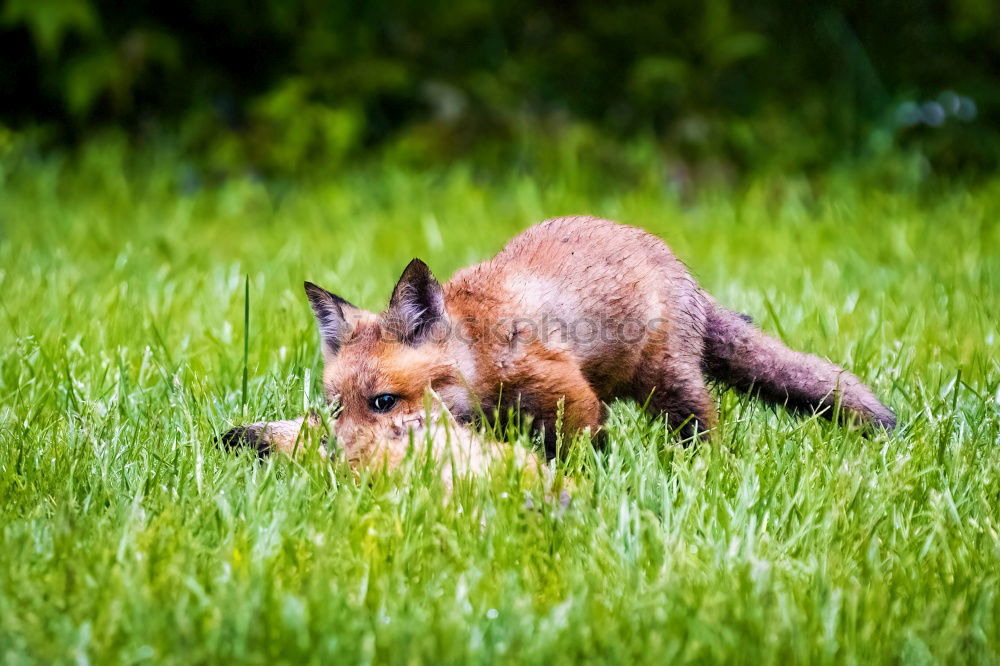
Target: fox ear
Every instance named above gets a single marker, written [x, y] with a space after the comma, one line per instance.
[330, 311]
[417, 303]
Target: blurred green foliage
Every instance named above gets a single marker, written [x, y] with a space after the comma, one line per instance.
[720, 85]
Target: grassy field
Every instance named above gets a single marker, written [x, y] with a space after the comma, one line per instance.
[127, 537]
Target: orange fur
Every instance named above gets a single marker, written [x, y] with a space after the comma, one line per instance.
[576, 312]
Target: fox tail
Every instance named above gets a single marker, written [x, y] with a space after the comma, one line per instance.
[741, 355]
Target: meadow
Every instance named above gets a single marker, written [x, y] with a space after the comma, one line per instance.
[127, 536]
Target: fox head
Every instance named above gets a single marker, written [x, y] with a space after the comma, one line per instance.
[377, 367]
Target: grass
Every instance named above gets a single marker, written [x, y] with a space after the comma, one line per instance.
[127, 537]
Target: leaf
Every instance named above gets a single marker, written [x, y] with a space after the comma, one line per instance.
[51, 21]
[87, 78]
[739, 46]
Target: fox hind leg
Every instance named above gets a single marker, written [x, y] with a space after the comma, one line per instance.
[681, 394]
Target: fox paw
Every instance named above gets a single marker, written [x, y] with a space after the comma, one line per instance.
[246, 436]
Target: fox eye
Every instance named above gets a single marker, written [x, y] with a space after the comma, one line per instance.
[383, 402]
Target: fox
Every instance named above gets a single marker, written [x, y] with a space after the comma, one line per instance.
[572, 314]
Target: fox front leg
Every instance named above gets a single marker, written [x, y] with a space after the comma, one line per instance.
[554, 385]
[269, 437]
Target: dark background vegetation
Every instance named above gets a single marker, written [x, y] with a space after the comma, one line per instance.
[719, 86]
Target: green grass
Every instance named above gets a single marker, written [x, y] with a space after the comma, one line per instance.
[127, 537]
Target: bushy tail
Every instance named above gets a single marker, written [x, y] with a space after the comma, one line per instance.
[741, 355]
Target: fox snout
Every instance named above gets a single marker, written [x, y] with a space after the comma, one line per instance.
[374, 440]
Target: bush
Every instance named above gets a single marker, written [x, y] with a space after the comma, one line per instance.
[284, 83]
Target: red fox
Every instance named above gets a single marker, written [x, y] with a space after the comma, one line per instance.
[571, 314]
